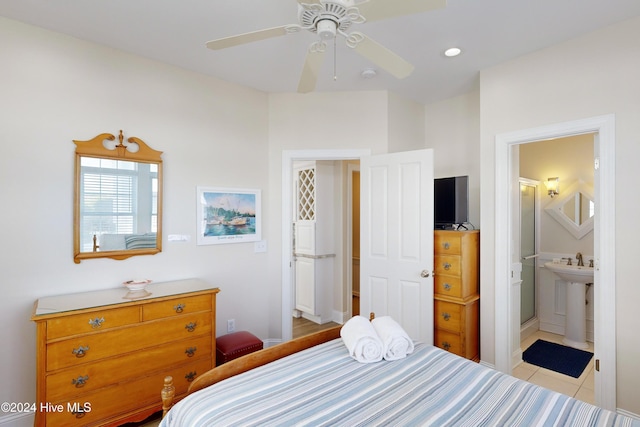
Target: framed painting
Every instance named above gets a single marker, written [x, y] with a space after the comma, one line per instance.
[228, 215]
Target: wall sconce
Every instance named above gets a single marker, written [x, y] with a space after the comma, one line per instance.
[553, 186]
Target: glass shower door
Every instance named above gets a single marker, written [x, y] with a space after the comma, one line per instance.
[528, 252]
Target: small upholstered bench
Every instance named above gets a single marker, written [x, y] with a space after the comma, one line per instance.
[236, 344]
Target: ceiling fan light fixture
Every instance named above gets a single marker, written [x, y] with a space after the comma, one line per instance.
[329, 18]
[326, 29]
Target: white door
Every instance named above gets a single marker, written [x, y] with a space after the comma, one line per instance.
[396, 243]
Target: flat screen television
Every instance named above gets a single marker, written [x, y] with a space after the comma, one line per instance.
[451, 201]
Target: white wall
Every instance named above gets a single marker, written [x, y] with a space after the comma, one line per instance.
[586, 77]
[453, 131]
[55, 89]
[406, 124]
[315, 121]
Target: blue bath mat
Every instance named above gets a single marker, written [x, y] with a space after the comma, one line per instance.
[556, 357]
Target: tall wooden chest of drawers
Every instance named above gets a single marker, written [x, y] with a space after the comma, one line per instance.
[102, 356]
[456, 292]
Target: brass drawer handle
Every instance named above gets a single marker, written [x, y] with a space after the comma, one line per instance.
[446, 266]
[179, 308]
[446, 245]
[446, 316]
[79, 413]
[191, 376]
[96, 323]
[191, 351]
[191, 326]
[80, 381]
[446, 345]
[80, 351]
[447, 287]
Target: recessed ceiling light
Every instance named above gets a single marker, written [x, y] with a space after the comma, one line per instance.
[453, 51]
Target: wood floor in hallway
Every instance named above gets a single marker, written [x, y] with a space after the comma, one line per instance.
[302, 326]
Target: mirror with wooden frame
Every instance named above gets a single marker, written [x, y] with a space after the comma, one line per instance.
[117, 209]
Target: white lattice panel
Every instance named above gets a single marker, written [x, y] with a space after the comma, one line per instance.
[306, 195]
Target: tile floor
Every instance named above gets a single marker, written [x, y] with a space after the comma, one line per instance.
[581, 388]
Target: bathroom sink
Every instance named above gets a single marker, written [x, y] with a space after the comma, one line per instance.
[571, 273]
[577, 277]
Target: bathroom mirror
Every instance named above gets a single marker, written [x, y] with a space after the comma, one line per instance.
[574, 208]
[118, 198]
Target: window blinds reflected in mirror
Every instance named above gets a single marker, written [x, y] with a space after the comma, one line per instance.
[118, 198]
[119, 201]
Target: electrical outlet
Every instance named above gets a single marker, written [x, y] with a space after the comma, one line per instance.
[231, 325]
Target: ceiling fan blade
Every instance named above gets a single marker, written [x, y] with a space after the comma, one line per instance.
[309, 1]
[247, 37]
[375, 10]
[312, 64]
[384, 58]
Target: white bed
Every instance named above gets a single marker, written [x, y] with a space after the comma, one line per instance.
[324, 386]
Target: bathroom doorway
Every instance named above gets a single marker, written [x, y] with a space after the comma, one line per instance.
[545, 236]
[506, 266]
[549, 228]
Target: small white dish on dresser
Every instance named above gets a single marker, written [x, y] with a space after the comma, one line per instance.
[137, 285]
[137, 288]
[137, 294]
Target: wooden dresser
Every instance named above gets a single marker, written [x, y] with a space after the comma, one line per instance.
[102, 356]
[456, 292]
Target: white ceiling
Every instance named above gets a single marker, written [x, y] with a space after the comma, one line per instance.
[175, 31]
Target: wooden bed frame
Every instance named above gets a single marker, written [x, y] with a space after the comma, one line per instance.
[248, 362]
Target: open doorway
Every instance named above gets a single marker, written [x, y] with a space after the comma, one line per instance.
[507, 268]
[325, 242]
[288, 279]
[555, 174]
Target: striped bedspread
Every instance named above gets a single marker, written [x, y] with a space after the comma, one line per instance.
[323, 386]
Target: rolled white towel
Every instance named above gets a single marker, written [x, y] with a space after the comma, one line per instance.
[361, 340]
[396, 343]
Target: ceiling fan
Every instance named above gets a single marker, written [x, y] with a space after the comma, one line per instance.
[330, 18]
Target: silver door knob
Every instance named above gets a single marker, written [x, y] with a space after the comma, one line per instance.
[424, 273]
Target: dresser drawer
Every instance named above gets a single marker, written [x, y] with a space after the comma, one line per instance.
[123, 398]
[450, 286]
[175, 307]
[95, 321]
[447, 243]
[75, 351]
[448, 265]
[449, 341]
[79, 380]
[448, 316]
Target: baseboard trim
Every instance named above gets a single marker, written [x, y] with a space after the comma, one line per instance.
[18, 420]
[272, 341]
[628, 414]
[529, 328]
[488, 365]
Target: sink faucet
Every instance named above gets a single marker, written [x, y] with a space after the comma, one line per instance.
[579, 258]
